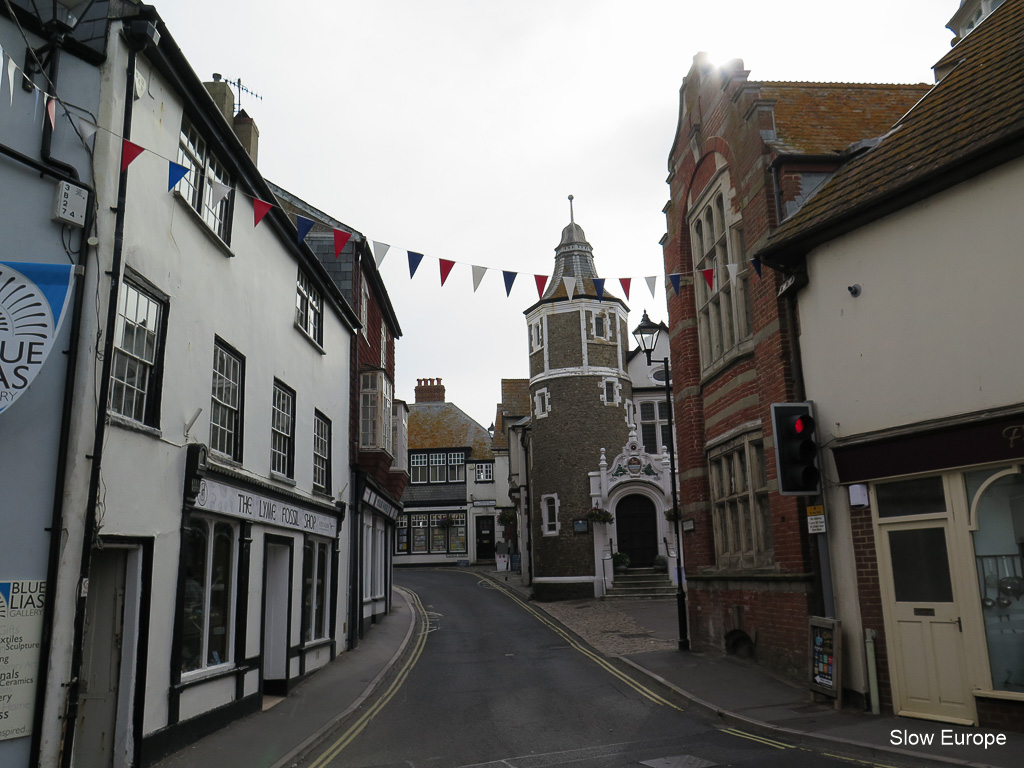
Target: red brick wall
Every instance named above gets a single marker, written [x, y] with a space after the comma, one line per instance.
[870, 595]
[714, 132]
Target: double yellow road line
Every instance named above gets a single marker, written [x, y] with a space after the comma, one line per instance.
[410, 661]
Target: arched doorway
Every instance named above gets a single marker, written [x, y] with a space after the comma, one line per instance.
[637, 527]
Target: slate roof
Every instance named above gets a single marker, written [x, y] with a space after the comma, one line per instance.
[950, 135]
[445, 425]
[825, 118]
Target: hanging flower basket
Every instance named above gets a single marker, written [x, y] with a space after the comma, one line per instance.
[598, 515]
[672, 515]
[507, 517]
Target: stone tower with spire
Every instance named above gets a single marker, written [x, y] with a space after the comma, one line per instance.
[581, 394]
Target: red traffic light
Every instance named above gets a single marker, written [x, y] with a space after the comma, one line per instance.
[798, 425]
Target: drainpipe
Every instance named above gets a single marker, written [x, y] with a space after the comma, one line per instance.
[135, 44]
[65, 172]
[529, 503]
[869, 643]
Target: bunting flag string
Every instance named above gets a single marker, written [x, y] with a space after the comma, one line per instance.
[446, 269]
[302, 227]
[541, 280]
[709, 278]
[478, 275]
[260, 208]
[176, 172]
[129, 152]
[570, 286]
[414, 262]
[341, 238]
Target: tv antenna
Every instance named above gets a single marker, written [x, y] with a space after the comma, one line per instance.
[239, 89]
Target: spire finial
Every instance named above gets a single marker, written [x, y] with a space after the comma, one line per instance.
[571, 219]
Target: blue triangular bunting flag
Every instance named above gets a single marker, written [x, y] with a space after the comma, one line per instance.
[599, 287]
[414, 262]
[756, 264]
[675, 282]
[175, 173]
[510, 277]
[303, 225]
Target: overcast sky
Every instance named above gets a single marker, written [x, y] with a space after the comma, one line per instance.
[458, 128]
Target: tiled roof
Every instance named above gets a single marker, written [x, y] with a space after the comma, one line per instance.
[825, 118]
[975, 109]
[445, 425]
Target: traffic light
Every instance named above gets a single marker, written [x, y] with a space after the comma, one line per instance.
[796, 449]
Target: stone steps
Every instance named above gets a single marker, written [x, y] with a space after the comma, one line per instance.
[641, 584]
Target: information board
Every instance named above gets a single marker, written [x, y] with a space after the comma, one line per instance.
[21, 632]
[825, 653]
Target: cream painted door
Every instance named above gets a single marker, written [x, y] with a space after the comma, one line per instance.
[923, 620]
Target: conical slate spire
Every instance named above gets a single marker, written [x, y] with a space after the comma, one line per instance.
[574, 257]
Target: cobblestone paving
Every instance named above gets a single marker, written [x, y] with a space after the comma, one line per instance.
[602, 624]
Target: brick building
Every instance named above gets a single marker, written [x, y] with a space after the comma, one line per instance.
[922, 454]
[745, 156]
[377, 427]
[451, 501]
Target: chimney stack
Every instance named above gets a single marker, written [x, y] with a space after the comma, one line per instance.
[429, 391]
[243, 125]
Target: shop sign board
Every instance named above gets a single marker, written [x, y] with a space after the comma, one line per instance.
[33, 300]
[21, 632]
[228, 500]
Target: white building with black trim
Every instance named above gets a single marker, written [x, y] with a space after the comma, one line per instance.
[204, 548]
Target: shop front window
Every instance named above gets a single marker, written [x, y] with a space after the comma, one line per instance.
[457, 532]
[419, 533]
[998, 550]
[208, 564]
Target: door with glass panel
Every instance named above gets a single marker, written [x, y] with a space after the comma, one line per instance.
[924, 623]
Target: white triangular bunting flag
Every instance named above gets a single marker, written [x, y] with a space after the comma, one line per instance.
[733, 271]
[218, 192]
[652, 281]
[87, 128]
[380, 250]
[570, 285]
[478, 275]
[11, 66]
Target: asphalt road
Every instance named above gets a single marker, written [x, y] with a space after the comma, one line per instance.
[495, 682]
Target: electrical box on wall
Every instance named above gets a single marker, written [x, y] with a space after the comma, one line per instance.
[70, 205]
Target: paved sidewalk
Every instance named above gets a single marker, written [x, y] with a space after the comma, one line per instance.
[276, 737]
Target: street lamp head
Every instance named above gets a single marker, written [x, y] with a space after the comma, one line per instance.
[646, 335]
[61, 16]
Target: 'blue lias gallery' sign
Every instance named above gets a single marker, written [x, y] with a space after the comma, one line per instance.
[33, 301]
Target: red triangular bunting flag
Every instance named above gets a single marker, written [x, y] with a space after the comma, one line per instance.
[129, 152]
[624, 282]
[709, 278]
[446, 268]
[341, 239]
[259, 210]
[542, 280]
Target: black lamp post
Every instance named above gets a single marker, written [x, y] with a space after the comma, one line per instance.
[646, 335]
